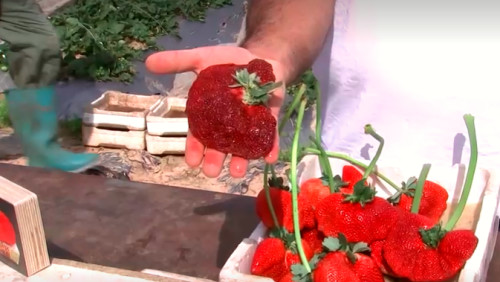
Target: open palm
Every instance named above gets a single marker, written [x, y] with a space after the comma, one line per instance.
[168, 62]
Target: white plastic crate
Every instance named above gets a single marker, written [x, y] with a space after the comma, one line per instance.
[168, 118]
[163, 145]
[98, 137]
[114, 109]
[485, 190]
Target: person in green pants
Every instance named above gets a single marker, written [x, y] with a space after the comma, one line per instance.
[34, 60]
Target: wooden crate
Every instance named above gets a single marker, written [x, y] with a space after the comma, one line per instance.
[22, 237]
[120, 110]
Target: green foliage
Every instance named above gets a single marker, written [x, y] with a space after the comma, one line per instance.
[4, 113]
[101, 39]
[4, 66]
[72, 127]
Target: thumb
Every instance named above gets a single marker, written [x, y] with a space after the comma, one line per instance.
[175, 61]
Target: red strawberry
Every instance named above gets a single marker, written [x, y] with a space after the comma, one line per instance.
[282, 204]
[337, 267]
[274, 257]
[360, 217]
[418, 250]
[227, 111]
[377, 256]
[7, 233]
[315, 189]
[433, 201]
[314, 239]
[287, 278]
[351, 176]
[269, 259]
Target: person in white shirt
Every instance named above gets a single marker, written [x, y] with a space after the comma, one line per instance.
[412, 69]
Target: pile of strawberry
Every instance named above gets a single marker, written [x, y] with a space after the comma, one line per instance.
[347, 233]
[329, 228]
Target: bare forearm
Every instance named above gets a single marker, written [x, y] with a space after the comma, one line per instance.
[290, 31]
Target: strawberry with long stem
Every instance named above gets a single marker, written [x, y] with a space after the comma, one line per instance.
[295, 102]
[344, 157]
[420, 188]
[293, 181]
[360, 216]
[324, 161]
[420, 250]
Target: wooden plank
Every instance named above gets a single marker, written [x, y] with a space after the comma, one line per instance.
[22, 237]
[136, 226]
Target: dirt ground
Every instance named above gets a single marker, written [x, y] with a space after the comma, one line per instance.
[141, 166]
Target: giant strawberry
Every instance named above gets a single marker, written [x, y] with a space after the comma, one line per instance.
[418, 250]
[433, 201]
[360, 216]
[227, 111]
[346, 262]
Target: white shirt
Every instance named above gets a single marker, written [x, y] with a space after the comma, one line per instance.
[412, 69]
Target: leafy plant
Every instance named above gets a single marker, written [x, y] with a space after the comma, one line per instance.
[101, 39]
[4, 66]
[72, 127]
[4, 113]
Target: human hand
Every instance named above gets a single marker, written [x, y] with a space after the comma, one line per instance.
[197, 59]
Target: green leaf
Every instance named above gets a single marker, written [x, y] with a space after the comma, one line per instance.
[360, 247]
[300, 273]
[332, 244]
[316, 259]
[116, 28]
[72, 21]
[395, 198]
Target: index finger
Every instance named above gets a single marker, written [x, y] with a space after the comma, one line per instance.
[175, 61]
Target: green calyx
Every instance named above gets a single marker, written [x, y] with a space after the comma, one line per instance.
[332, 244]
[337, 182]
[255, 93]
[433, 236]
[362, 193]
[407, 188]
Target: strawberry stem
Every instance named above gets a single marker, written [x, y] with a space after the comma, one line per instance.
[293, 106]
[293, 180]
[318, 111]
[323, 158]
[471, 130]
[295, 103]
[340, 156]
[254, 92]
[325, 166]
[268, 198]
[369, 130]
[420, 188]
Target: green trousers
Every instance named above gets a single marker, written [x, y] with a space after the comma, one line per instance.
[34, 56]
